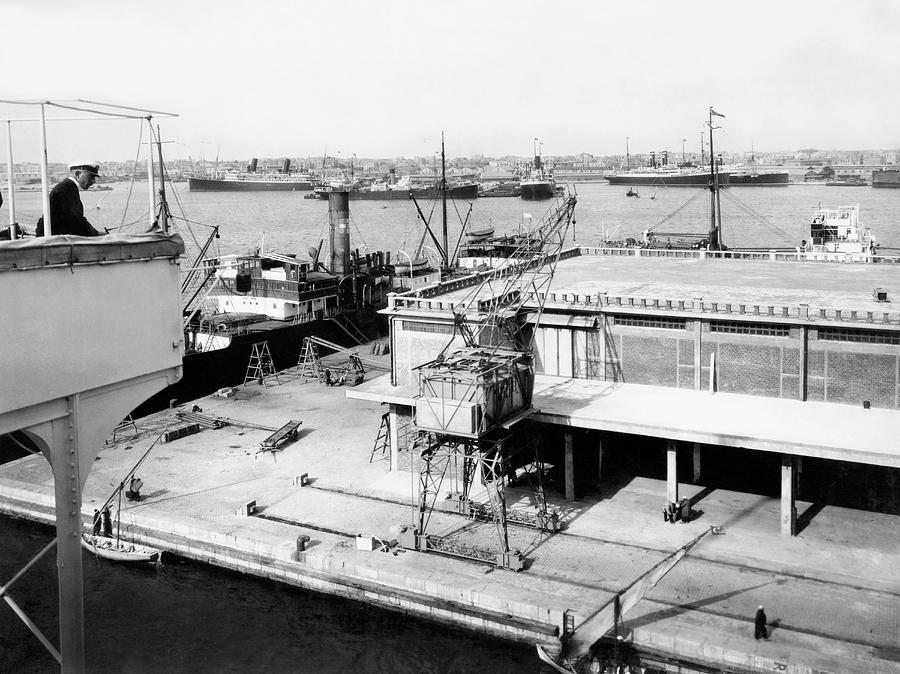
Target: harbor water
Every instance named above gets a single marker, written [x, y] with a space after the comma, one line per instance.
[187, 617]
[286, 222]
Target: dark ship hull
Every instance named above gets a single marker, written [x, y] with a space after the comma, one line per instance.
[538, 189]
[206, 372]
[697, 179]
[766, 179]
[455, 192]
[886, 178]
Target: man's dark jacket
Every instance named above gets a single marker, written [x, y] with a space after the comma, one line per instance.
[66, 212]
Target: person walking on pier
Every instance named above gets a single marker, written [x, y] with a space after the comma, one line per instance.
[760, 624]
[95, 530]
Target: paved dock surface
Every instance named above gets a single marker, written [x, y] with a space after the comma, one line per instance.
[832, 594]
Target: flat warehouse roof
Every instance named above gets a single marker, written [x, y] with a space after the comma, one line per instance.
[825, 285]
[819, 284]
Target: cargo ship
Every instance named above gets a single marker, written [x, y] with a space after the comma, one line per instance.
[405, 188]
[278, 299]
[253, 180]
[697, 177]
[888, 177]
[539, 184]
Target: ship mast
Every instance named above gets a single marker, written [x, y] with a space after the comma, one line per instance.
[715, 208]
[163, 204]
[445, 262]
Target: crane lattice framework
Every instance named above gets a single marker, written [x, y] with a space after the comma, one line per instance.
[470, 398]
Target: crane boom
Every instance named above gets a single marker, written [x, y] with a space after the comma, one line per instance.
[472, 390]
[523, 278]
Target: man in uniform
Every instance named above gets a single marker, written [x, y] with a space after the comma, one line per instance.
[66, 210]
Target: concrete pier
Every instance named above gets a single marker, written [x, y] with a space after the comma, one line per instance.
[833, 589]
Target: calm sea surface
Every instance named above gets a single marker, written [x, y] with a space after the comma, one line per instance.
[188, 617]
[286, 222]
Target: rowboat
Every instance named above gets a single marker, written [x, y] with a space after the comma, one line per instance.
[119, 550]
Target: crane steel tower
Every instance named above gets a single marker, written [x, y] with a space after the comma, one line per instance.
[471, 397]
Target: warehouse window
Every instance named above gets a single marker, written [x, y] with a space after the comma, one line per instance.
[738, 328]
[861, 336]
[652, 322]
[436, 328]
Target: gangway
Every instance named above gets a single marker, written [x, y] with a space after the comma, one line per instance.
[371, 362]
[609, 617]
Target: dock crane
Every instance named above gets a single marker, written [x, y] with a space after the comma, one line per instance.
[476, 394]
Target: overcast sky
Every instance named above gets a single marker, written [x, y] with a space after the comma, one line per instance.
[383, 78]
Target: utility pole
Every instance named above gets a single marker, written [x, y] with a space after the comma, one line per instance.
[627, 155]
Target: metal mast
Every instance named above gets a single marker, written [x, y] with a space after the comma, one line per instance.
[715, 207]
[445, 261]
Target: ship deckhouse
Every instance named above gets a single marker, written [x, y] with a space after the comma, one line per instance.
[278, 286]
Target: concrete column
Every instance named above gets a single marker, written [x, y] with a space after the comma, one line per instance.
[671, 472]
[570, 468]
[599, 461]
[698, 354]
[804, 356]
[393, 420]
[696, 462]
[788, 504]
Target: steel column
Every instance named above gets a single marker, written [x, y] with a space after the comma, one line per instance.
[65, 464]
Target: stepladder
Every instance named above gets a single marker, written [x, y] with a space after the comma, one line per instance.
[261, 367]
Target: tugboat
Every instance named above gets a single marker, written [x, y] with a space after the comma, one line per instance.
[836, 236]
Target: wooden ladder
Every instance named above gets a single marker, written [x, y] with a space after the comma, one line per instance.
[383, 441]
[310, 367]
[261, 367]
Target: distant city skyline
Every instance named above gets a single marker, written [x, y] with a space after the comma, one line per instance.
[279, 79]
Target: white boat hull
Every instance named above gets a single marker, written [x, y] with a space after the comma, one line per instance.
[120, 551]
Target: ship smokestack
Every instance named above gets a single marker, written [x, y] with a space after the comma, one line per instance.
[339, 231]
[392, 176]
[652, 159]
[537, 162]
[287, 166]
[252, 167]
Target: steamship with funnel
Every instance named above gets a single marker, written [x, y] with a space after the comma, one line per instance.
[254, 180]
[539, 183]
[663, 174]
[280, 299]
